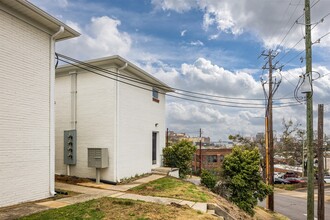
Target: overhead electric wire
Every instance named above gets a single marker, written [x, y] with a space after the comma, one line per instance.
[151, 84]
[285, 11]
[147, 89]
[295, 22]
[238, 105]
[326, 34]
[287, 52]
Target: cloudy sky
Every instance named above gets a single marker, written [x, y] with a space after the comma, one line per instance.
[210, 47]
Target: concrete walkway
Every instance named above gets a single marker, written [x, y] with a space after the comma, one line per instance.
[299, 194]
[124, 187]
[93, 191]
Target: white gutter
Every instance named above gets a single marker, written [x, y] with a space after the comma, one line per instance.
[52, 113]
[117, 120]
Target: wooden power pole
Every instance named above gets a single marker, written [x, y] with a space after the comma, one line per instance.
[269, 142]
[320, 183]
[309, 115]
[270, 130]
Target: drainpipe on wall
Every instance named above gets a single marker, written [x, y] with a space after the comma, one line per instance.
[52, 113]
[117, 118]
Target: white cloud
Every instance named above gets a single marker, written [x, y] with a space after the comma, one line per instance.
[178, 6]
[101, 37]
[214, 36]
[267, 20]
[183, 33]
[219, 121]
[63, 3]
[197, 43]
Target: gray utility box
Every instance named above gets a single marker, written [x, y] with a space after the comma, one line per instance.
[98, 157]
[70, 147]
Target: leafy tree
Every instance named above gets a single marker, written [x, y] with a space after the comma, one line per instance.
[248, 143]
[242, 179]
[179, 155]
[291, 145]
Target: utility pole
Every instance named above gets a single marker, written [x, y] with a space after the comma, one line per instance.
[200, 151]
[320, 183]
[269, 142]
[309, 115]
[270, 130]
[266, 152]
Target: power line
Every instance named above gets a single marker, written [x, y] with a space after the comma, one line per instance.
[181, 91]
[238, 105]
[295, 22]
[319, 22]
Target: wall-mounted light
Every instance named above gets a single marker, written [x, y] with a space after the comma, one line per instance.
[156, 125]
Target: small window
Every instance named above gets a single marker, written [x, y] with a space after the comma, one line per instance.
[212, 159]
[155, 95]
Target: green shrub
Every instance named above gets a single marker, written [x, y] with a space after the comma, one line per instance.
[208, 179]
[180, 156]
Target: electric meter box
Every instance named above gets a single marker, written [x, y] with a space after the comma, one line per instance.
[70, 147]
[98, 157]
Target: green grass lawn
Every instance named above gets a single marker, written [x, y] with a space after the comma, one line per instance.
[114, 208]
[173, 188]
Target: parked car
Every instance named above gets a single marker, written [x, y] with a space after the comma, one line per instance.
[278, 175]
[294, 180]
[281, 181]
[290, 174]
[327, 179]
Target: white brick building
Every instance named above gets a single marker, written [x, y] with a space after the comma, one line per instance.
[27, 75]
[110, 114]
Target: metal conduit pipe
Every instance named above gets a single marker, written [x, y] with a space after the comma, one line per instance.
[52, 113]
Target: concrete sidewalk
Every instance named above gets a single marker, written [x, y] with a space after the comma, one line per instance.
[298, 194]
[93, 191]
[123, 187]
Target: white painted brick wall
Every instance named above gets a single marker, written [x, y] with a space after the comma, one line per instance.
[95, 121]
[24, 112]
[96, 127]
[138, 116]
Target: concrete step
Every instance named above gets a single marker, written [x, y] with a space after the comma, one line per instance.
[166, 171]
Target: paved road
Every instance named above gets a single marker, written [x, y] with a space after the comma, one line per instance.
[294, 207]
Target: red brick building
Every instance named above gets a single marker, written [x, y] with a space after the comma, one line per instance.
[212, 157]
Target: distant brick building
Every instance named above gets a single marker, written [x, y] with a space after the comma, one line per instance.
[173, 137]
[206, 141]
[212, 157]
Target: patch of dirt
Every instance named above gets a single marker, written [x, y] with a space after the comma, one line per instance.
[231, 208]
[71, 179]
[262, 214]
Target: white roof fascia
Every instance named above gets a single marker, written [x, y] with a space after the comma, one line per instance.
[27, 12]
[118, 61]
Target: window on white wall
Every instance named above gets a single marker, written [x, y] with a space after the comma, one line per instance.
[155, 94]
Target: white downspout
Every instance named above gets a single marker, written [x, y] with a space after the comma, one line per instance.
[52, 113]
[117, 120]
